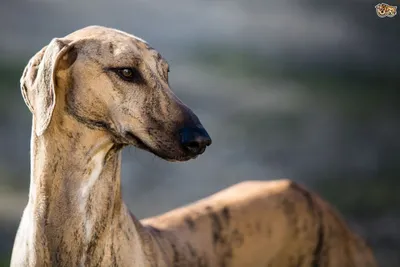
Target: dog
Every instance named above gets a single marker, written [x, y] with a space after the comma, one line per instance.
[98, 90]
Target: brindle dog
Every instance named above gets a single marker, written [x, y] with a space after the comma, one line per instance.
[98, 90]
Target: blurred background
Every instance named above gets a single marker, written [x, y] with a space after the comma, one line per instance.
[306, 89]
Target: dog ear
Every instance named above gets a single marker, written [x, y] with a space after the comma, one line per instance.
[38, 82]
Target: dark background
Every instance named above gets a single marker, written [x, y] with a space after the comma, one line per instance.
[307, 90]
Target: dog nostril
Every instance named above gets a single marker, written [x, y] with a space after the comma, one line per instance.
[195, 140]
[195, 147]
[208, 142]
[192, 146]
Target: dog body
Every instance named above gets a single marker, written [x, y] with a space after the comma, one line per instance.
[98, 90]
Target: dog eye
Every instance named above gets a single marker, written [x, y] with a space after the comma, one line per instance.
[129, 74]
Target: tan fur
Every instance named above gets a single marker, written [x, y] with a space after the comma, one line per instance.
[84, 114]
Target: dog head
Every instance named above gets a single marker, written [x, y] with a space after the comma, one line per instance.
[113, 82]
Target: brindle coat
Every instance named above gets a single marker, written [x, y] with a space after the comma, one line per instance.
[85, 112]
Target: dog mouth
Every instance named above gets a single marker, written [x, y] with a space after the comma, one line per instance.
[129, 138]
[132, 139]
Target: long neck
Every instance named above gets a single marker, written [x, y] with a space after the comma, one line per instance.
[75, 190]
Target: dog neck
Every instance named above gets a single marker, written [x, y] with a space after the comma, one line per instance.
[75, 194]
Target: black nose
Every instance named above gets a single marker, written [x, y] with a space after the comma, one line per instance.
[195, 140]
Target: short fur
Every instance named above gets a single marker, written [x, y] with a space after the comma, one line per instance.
[84, 114]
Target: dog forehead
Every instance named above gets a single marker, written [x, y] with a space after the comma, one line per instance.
[101, 33]
[115, 41]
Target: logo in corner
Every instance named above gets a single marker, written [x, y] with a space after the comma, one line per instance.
[384, 10]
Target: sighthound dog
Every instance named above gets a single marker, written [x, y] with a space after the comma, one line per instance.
[98, 90]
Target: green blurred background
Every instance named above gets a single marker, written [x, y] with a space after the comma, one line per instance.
[307, 90]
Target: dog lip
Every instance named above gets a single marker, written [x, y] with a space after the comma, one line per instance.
[129, 136]
[131, 139]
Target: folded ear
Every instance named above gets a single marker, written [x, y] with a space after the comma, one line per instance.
[38, 83]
